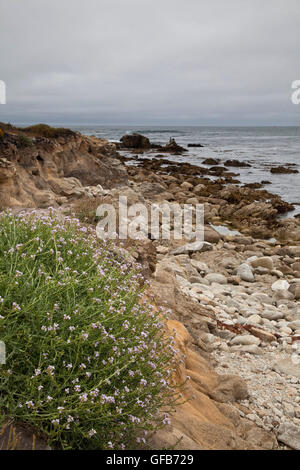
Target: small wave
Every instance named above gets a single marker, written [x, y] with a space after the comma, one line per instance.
[156, 131]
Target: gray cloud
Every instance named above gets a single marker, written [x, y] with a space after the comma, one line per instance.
[145, 62]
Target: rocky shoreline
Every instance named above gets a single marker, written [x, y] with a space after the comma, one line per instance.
[234, 301]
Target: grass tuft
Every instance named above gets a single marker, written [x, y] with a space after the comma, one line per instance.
[23, 141]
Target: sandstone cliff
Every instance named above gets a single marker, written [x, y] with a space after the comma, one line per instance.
[37, 171]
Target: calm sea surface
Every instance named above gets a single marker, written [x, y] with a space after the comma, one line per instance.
[262, 147]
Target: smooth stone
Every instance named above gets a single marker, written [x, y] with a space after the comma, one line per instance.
[263, 262]
[271, 315]
[215, 277]
[294, 325]
[245, 340]
[286, 330]
[245, 272]
[255, 319]
[281, 284]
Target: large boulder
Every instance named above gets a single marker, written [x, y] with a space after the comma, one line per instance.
[135, 141]
[38, 171]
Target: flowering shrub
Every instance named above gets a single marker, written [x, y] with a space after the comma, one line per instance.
[88, 362]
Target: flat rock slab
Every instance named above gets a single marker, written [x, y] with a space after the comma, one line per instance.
[190, 247]
[289, 434]
[287, 367]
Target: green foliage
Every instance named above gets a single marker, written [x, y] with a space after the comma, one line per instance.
[88, 361]
[43, 130]
[23, 141]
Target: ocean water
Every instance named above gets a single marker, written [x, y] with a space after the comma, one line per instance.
[261, 147]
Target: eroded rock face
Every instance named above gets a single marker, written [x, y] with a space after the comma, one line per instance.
[207, 420]
[39, 174]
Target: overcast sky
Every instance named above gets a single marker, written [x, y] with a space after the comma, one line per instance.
[189, 62]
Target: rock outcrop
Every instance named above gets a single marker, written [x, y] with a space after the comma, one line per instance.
[283, 170]
[208, 419]
[40, 171]
[135, 141]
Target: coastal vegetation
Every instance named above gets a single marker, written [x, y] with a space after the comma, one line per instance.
[43, 130]
[88, 362]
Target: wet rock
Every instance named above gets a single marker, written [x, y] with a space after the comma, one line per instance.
[283, 170]
[173, 147]
[211, 161]
[237, 163]
[135, 141]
